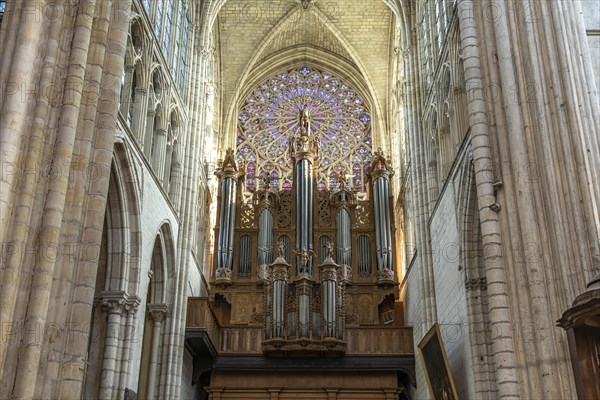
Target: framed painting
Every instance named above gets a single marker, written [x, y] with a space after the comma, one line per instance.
[435, 364]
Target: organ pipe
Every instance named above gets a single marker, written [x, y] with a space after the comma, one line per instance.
[228, 175]
[265, 238]
[344, 238]
[380, 177]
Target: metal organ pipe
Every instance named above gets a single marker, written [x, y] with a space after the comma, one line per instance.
[227, 223]
[265, 238]
[231, 231]
[344, 241]
[383, 230]
[222, 219]
[304, 210]
[278, 307]
[329, 307]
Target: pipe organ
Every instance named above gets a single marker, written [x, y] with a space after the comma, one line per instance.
[304, 297]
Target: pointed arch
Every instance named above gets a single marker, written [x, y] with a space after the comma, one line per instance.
[353, 70]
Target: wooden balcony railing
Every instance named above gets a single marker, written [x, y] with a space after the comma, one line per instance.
[241, 340]
[379, 340]
[375, 340]
[200, 317]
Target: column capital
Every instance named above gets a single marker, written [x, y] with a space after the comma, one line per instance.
[114, 302]
[132, 305]
[158, 311]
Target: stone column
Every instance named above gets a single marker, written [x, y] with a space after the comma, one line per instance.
[14, 113]
[114, 303]
[175, 183]
[433, 181]
[139, 113]
[126, 90]
[109, 50]
[502, 344]
[158, 313]
[168, 157]
[149, 133]
[131, 309]
[192, 160]
[159, 152]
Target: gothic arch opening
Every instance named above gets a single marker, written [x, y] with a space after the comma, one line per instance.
[156, 310]
[115, 297]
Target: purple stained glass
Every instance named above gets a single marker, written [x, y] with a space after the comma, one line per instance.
[269, 117]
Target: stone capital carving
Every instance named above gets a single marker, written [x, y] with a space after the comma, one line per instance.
[114, 302]
[132, 305]
[158, 311]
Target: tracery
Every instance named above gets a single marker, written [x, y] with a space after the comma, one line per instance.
[271, 115]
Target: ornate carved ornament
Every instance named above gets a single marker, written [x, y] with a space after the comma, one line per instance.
[475, 284]
[114, 302]
[158, 311]
[279, 272]
[223, 273]
[284, 211]
[385, 275]
[362, 215]
[247, 217]
[227, 168]
[380, 166]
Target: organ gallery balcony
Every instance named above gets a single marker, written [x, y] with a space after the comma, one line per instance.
[204, 330]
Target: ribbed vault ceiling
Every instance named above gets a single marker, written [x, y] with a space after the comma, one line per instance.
[359, 32]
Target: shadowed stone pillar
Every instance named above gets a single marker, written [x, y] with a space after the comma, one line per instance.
[139, 117]
[158, 313]
[159, 153]
[131, 309]
[149, 133]
[114, 303]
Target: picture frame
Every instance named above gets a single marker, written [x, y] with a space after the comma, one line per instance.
[435, 364]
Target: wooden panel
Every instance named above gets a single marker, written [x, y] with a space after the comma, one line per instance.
[241, 340]
[201, 317]
[379, 341]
